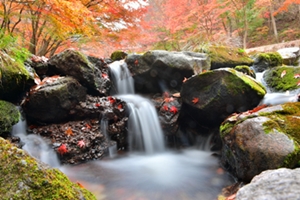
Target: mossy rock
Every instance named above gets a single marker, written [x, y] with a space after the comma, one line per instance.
[23, 177]
[118, 55]
[273, 59]
[266, 139]
[9, 115]
[246, 70]
[222, 56]
[278, 82]
[14, 78]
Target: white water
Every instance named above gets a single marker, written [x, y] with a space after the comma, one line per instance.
[122, 80]
[35, 145]
[275, 98]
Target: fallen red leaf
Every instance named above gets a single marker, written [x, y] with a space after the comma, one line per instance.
[297, 76]
[136, 62]
[62, 149]
[120, 106]
[184, 80]
[80, 185]
[88, 126]
[165, 107]
[169, 99]
[173, 110]
[257, 108]
[195, 100]
[69, 132]
[111, 100]
[104, 76]
[97, 104]
[81, 143]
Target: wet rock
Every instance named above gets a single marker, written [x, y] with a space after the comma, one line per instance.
[53, 99]
[272, 184]
[261, 139]
[210, 97]
[264, 61]
[75, 64]
[159, 71]
[290, 55]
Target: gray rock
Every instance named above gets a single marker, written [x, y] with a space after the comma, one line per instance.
[279, 184]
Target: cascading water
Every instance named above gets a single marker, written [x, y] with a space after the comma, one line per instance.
[157, 173]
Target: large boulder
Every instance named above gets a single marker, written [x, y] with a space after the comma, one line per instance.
[53, 99]
[23, 177]
[210, 97]
[281, 79]
[261, 139]
[82, 68]
[272, 184]
[9, 115]
[159, 71]
[222, 57]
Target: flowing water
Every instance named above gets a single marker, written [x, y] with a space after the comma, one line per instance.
[149, 171]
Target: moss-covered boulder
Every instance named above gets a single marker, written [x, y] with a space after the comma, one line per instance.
[210, 97]
[14, 77]
[263, 61]
[118, 55]
[266, 139]
[222, 57]
[74, 63]
[280, 79]
[9, 115]
[23, 177]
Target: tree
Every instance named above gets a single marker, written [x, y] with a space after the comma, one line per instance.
[48, 24]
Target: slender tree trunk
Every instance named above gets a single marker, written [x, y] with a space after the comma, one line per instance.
[273, 21]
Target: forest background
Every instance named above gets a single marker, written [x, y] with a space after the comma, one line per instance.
[99, 27]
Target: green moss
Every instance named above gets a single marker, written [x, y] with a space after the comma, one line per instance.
[277, 82]
[226, 128]
[246, 70]
[25, 178]
[270, 125]
[234, 82]
[118, 55]
[274, 59]
[230, 56]
[9, 115]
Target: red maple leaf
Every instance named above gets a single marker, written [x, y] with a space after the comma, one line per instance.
[97, 104]
[69, 132]
[297, 76]
[111, 100]
[173, 110]
[184, 79]
[81, 143]
[165, 107]
[104, 76]
[88, 126]
[136, 62]
[62, 149]
[120, 106]
[195, 100]
[169, 99]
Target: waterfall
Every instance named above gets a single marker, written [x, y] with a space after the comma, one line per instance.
[122, 79]
[145, 133]
[35, 145]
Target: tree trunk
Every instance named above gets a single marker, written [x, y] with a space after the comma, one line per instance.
[273, 22]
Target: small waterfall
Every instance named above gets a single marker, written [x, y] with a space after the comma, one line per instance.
[144, 129]
[121, 77]
[35, 145]
[145, 133]
[112, 146]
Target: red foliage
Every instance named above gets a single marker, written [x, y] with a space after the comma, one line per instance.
[173, 110]
[69, 132]
[257, 108]
[62, 149]
[104, 76]
[97, 104]
[111, 100]
[165, 108]
[195, 100]
[120, 106]
[81, 143]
